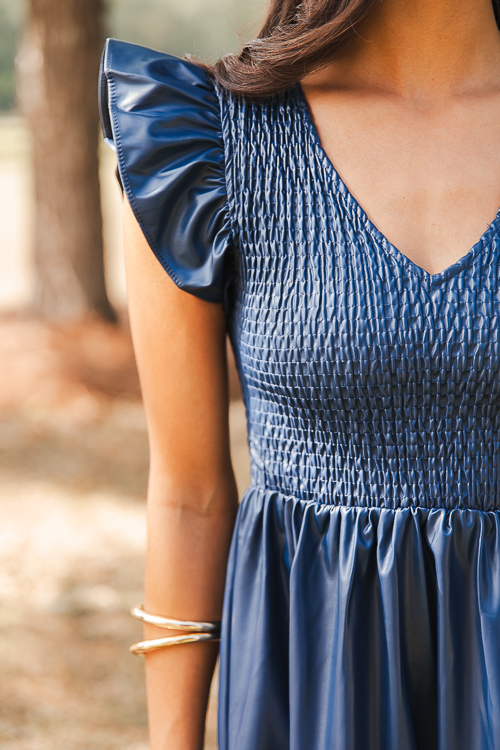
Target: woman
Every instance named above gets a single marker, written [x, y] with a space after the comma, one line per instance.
[362, 592]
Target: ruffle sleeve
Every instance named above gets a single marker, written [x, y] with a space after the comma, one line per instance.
[162, 116]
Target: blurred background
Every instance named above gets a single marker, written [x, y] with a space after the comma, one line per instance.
[73, 444]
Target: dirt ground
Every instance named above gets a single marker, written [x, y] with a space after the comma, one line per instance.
[73, 469]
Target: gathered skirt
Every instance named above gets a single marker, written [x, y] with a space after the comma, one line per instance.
[360, 628]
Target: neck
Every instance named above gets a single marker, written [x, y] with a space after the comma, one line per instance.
[420, 46]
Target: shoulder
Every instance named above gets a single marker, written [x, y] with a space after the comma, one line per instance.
[162, 115]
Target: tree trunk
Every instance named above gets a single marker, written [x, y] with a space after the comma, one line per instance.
[58, 67]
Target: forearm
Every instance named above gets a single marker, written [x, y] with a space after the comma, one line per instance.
[189, 533]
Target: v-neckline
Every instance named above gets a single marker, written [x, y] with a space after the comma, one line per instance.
[379, 237]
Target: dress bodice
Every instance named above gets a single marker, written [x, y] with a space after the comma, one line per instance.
[367, 380]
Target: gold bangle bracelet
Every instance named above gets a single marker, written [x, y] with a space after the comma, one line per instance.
[196, 631]
[192, 626]
[142, 647]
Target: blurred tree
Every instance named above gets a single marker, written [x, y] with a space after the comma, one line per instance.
[58, 65]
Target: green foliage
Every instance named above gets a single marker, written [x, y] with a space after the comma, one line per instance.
[9, 33]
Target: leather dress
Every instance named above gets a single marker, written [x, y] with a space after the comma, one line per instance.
[362, 602]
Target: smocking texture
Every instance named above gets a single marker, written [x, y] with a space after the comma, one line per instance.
[367, 380]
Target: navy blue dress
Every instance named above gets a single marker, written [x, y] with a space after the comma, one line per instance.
[362, 603]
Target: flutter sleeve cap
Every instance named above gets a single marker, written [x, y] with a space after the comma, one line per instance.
[162, 116]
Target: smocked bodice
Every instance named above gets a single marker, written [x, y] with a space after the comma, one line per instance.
[367, 380]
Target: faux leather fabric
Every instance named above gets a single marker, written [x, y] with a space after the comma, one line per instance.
[162, 116]
[362, 605]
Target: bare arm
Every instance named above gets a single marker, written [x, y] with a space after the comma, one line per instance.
[179, 341]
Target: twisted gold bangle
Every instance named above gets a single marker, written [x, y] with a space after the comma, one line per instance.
[197, 631]
[192, 626]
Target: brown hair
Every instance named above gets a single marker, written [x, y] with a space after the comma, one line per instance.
[297, 37]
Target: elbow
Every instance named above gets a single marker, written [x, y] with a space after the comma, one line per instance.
[204, 497]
